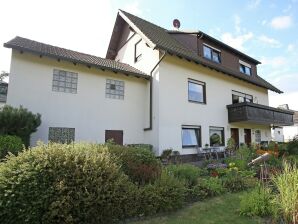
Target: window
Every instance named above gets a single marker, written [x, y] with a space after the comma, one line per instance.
[138, 52]
[114, 135]
[64, 81]
[61, 135]
[115, 89]
[211, 53]
[216, 135]
[244, 67]
[258, 136]
[238, 97]
[196, 91]
[191, 136]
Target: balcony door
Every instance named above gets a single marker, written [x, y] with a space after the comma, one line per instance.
[247, 136]
[235, 135]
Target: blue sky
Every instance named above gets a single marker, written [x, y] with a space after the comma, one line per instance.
[265, 30]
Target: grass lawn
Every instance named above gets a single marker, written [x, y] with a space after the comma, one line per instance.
[221, 210]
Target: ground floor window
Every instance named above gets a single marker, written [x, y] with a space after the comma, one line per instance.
[216, 135]
[191, 136]
[114, 135]
[61, 135]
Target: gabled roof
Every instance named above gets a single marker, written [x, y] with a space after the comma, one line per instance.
[160, 38]
[23, 44]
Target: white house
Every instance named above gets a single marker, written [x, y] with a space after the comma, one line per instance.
[171, 89]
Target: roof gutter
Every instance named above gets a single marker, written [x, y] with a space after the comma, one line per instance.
[151, 93]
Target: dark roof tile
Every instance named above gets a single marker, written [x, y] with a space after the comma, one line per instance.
[32, 46]
[163, 40]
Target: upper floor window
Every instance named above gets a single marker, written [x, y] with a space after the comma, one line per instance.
[238, 97]
[244, 67]
[61, 135]
[196, 91]
[211, 53]
[64, 81]
[115, 89]
[191, 136]
[138, 51]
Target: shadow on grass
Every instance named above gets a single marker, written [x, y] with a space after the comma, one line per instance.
[223, 210]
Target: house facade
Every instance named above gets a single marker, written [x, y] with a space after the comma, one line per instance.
[170, 89]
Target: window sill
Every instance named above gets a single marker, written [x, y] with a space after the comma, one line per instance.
[219, 63]
[197, 102]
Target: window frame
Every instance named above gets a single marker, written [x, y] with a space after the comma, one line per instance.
[139, 56]
[68, 141]
[223, 135]
[245, 66]
[108, 90]
[197, 82]
[198, 133]
[212, 50]
[245, 97]
[56, 87]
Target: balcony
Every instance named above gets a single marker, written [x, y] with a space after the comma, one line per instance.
[259, 114]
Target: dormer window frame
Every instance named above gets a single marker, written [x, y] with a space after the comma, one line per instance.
[213, 50]
[137, 53]
[245, 68]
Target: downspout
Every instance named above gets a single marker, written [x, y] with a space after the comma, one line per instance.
[151, 93]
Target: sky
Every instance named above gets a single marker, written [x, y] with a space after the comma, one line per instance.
[264, 29]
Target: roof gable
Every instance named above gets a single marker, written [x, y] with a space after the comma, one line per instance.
[159, 38]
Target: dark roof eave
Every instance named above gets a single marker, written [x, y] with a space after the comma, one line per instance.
[76, 61]
[217, 69]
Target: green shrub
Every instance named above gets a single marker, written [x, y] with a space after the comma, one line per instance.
[142, 146]
[139, 164]
[185, 172]
[207, 187]
[234, 182]
[287, 197]
[166, 194]
[258, 202]
[292, 146]
[64, 184]
[12, 144]
[19, 122]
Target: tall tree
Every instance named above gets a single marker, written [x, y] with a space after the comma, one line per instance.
[3, 75]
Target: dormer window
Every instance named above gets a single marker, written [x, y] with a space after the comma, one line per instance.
[138, 52]
[211, 53]
[244, 67]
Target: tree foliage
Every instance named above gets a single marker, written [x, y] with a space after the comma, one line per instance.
[19, 122]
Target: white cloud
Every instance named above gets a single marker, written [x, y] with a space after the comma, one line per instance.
[133, 8]
[264, 22]
[236, 41]
[274, 62]
[281, 22]
[290, 47]
[269, 41]
[237, 21]
[285, 10]
[254, 4]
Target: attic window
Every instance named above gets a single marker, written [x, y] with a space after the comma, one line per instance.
[211, 53]
[244, 67]
[138, 52]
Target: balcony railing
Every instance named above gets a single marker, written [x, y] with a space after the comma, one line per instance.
[259, 114]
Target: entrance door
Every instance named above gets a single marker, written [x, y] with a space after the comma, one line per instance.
[115, 135]
[235, 135]
[247, 136]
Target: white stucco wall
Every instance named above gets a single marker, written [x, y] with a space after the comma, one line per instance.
[88, 111]
[277, 134]
[149, 59]
[175, 110]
